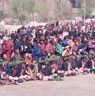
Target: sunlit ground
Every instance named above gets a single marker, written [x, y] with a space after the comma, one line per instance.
[83, 85]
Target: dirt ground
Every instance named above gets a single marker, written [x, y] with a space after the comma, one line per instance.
[83, 85]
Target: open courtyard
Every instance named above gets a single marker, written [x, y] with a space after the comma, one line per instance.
[83, 85]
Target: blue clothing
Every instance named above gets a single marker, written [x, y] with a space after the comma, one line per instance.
[8, 69]
[17, 44]
[29, 47]
[47, 70]
[65, 43]
[37, 53]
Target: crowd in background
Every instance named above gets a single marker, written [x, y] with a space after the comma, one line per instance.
[45, 53]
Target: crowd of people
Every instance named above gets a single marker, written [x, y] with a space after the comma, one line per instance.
[45, 53]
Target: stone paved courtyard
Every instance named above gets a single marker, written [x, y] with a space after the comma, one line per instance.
[83, 85]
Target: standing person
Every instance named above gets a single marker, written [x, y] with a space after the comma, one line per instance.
[8, 49]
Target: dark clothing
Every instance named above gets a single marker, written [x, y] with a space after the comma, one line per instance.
[18, 71]
[47, 70]
[64, 66]
[74, 64]
[36, 53]
[29, 47]
[79, 62]
[17, 44]
[65, 43]
[23, 48]
[89, 64]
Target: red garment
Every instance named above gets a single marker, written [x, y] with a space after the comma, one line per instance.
[50, 48]
[43, 48]
[8, 48]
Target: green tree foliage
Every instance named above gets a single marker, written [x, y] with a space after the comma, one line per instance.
[45, 10]
[42, 9]
[1, 14]
[22, 9]
[88, 8]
